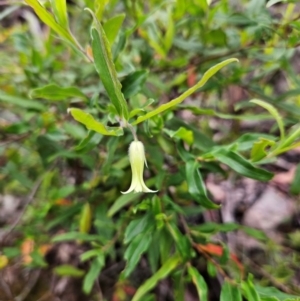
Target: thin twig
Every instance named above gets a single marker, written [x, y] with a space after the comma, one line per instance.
[5, 287]
[29, 199]
[45, 296]
[274, 281]
[99, 290]
[15, 139]
[106, 247]
[29, 286]
[11, 2]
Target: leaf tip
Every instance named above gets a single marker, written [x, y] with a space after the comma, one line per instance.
[88, 9]
[30, 94]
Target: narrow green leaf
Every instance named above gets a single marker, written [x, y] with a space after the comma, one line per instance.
[211, 269]
[273, 292]
[225, 255]
[75, 236]
[48, 19]
[166, 244]
[111, 145]
[74, 130]
[132, 84]
[182, 133]
[295, 187]
[268, 298]
[180, 9]
[207, 75]
[11, 252]
[112, 27]
[196, 185]
[133, 253]
[93, 273]
[162, 273]
[249, 290]
[91, 124]
[89, 142]
[292, 136]
[272, 110]
[156, 206]
[211, 227]
[60, 12]
[89, 254]
[21, 102]
[138, 226]
[182, 243]
[211, 112]
[245, 142]
[280, 150]
[183, 153]
[169, 36]
[230, 292]
[153, 37]
[68, 270]
[85, 221]
[258, 151]
[122, 201]
[106, 68]
[55, 92]
[135, 112]
[119, 46]
[200, 283]
[153, 254]
[201, 141]
[179, 287]
[99, 7]
[258, 234]
[241, 165]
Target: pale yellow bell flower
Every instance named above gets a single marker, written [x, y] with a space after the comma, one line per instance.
[137, 160]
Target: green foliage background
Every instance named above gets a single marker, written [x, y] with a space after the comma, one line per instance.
[65, 132]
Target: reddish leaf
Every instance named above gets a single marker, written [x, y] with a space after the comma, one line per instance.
[191, 76]
[217, 250]
[63, 202]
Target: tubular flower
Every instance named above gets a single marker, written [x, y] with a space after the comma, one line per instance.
[137, 160]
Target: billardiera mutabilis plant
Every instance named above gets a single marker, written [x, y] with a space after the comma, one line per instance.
[104, 64]
[140, 236]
